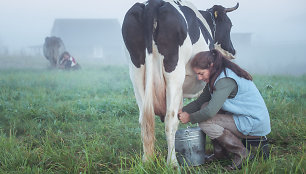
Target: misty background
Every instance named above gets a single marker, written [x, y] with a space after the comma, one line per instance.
[269, 36]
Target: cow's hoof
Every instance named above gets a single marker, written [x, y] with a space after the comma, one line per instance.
[144, 158]
[174, 164]
[176, 167]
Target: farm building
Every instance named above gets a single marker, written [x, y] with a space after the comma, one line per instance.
[91, 38]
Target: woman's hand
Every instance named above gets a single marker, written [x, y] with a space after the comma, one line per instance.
[184, 117]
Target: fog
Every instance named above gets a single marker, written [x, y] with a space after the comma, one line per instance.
[274, 29]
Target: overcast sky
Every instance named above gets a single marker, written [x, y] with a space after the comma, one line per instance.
[27, 22]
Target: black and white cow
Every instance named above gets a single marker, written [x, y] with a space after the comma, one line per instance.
[162, 36]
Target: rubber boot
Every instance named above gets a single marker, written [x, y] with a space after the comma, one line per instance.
[233, 145]
[219, 152]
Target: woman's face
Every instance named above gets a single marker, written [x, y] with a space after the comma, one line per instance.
[66, 56]
[202, 74]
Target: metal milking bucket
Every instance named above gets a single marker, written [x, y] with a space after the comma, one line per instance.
[190, 146]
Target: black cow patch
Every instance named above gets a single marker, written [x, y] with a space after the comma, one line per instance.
[133, 34]
[170, 33]
[206, 34]
[195, 25]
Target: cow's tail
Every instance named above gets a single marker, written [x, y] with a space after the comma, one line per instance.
[148, 115]
[150, 16]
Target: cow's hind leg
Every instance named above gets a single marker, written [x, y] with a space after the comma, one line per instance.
[137, 78]
[172, 33]
[174, 94]
[133, 36]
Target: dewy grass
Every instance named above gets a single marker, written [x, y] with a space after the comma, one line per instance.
[87, 122]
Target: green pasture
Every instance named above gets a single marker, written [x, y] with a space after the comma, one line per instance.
[86, 121]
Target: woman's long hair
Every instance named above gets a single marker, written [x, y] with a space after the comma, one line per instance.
[63, 54]
[203, 60]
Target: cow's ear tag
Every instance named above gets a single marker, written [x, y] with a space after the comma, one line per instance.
[216, 14]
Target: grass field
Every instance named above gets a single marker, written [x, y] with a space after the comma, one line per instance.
[87, 122]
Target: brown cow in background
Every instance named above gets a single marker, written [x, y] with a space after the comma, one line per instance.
[53, 48]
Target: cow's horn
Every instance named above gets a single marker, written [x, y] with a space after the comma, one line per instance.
[231, 9]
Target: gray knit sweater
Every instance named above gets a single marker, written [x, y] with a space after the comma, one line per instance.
[225, 88]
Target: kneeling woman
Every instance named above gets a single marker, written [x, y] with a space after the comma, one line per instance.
[68, 62]
[229, 108]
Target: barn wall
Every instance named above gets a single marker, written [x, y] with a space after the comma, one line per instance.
[91, 38]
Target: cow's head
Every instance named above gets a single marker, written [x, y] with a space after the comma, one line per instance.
[222, 28]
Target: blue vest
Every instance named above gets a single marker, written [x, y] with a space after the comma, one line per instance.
[248, 107]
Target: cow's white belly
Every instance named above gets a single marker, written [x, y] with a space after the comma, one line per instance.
[193, 87]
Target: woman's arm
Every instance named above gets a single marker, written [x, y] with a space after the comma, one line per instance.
[196, 104]
[224, 88]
